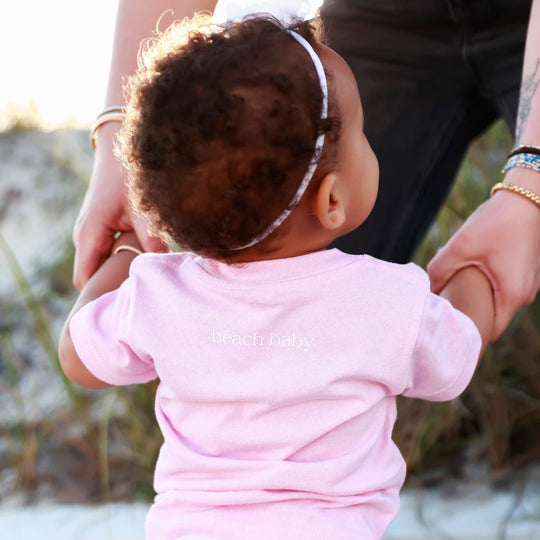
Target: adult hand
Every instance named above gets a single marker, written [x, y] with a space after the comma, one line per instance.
[104, 212]
[501, 238]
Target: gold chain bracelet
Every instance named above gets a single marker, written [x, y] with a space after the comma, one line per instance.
[517, 189]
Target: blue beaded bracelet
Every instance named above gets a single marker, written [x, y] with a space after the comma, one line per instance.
[524, 159]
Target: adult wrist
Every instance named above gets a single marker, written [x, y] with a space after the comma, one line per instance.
[518, 190]
[525, 178]
[106, 137]
[108, 121]
[524, 210]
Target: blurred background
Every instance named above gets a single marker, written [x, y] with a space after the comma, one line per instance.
[55, 57]
[62, 444]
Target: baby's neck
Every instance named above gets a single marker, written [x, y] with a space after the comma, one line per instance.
[251, 255]
[304, 234]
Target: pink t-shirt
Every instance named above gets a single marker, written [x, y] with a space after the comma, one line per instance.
[277, 386]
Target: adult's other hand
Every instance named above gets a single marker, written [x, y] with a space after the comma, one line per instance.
[502, 238]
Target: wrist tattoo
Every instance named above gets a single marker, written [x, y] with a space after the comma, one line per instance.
[528, 89]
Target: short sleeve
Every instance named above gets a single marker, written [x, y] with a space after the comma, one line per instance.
[445, 354]
[105, 339]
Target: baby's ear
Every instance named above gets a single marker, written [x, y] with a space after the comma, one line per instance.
[328, 203]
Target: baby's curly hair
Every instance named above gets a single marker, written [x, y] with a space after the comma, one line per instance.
[220, 129]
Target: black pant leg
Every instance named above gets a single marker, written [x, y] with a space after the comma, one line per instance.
[422, 104]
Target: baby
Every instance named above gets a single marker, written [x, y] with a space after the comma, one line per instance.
[279, 360]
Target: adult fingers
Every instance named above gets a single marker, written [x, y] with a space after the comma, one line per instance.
[93, 242]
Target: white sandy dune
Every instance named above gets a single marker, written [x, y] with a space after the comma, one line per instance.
[427, 515]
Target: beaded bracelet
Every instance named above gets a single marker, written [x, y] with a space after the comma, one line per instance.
[523, 159]
[517, 189]
[115, 113]
[525, 148]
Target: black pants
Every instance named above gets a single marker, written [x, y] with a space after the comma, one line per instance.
[432, 74]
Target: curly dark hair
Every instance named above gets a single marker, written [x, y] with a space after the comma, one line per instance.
[221, 126]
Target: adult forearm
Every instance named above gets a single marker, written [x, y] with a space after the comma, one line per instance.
[136, 20]
[528, 121]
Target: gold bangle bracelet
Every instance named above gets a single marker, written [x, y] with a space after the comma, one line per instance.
[112, 108]
[517, 189]
[103, 118]
[127, 248]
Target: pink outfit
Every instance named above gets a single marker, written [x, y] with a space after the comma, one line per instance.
[278, 384]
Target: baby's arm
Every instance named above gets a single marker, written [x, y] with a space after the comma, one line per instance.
[469, 290]
[108, 277]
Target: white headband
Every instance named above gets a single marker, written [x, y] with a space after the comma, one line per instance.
[319, 143]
